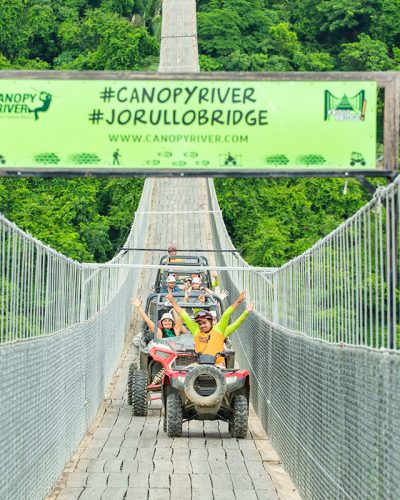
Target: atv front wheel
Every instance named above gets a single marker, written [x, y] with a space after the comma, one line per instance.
[139, 393]
[129, 385]
[174, 415]
[240, 415]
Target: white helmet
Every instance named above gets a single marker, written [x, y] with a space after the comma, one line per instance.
[167, 316]
[171, 278]
[196, 280]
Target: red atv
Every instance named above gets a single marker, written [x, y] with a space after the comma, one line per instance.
[200, 390]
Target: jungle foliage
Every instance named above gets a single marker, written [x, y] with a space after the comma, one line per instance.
[85, 219]
[299, 35]
[288, 216]
[272, 221]
[79, 34]
[88, 219]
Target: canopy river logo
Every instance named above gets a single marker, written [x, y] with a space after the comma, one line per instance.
[29, 104]
[345, 109]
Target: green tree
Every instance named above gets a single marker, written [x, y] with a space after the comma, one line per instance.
[105, 41]
[86, 219]
[42, 23]
[122, 7]
[14, 32]
[366, 55]
[210, 27]
[287, 216]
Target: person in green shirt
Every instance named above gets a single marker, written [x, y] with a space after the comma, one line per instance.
[235, 325]
[208, 338]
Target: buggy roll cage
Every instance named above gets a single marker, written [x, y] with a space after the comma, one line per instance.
[189, 264]
[184, 260]
[198, 250]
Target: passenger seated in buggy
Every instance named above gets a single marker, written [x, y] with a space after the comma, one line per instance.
[167, 326]
[208, 338]
[170, 285]
[197, 289]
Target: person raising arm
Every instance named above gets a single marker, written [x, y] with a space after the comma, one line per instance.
[208, 338]
[233, 326]
[167, 325]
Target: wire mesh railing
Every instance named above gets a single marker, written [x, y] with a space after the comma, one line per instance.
[345, 288]
[42, 291]
[62, 331]
[325, 390]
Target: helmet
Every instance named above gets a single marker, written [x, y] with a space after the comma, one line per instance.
[188, 278]
[203, 314]
[196, 280]
[172, 248]
[167, 316]
[171, 278]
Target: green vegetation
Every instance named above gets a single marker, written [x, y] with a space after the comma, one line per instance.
[272, 221]
[306, 35]
[288, 216]
[79, 34]
[85, 219]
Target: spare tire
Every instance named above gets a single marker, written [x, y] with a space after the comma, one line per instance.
[205, 385]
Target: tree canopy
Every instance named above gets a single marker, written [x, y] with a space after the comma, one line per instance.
[88, 219]
[288, 216]
[79, 34]
[306, 35]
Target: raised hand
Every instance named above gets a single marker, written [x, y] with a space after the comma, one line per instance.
[224, 294]
[250, 307]
[242, 296]
[136, 301]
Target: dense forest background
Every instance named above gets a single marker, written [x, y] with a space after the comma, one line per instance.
[299, 35]
[87, 219]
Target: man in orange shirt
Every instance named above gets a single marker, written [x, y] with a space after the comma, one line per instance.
[208, 338]
[172, 252]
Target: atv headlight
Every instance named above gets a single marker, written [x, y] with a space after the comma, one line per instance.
[181, 379]
[230, 380]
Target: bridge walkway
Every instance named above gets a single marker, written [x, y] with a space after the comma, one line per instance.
[131, 458]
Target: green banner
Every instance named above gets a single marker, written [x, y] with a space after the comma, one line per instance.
[187, 124]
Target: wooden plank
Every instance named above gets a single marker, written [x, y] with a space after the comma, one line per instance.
[391, 127]
[382, 78]
[172, 173]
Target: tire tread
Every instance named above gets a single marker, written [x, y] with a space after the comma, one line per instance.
[240, 417]
[139, 393]
[174, 415]
[129, 384]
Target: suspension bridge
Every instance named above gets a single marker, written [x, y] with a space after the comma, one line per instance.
[322, 350]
